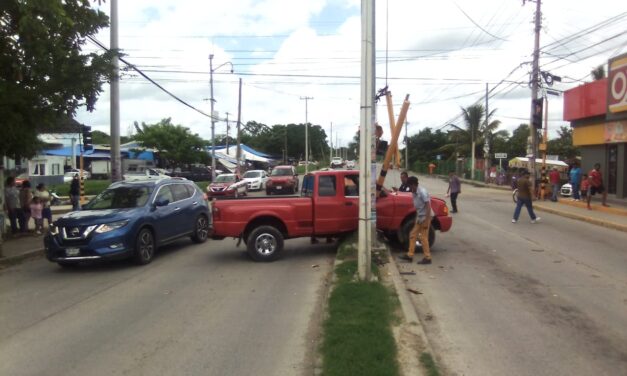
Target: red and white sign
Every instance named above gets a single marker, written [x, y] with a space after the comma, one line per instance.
[617, 85]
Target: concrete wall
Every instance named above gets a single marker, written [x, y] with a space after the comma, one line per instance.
[590, 155]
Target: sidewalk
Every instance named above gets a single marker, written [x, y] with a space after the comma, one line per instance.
[24, 246]
[614, 216]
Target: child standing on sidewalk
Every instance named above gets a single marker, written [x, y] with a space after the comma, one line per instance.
[36, 209]
[585, 187]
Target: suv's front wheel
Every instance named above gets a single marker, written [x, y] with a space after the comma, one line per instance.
[144, 247]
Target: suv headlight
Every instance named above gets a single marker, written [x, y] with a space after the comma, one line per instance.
[54, 230]
[106, 227]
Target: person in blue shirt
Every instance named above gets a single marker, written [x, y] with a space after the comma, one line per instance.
[575, 181]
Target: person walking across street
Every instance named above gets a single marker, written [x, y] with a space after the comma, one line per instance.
[422, 203]
[454, 189]
[524, 198]
[75, 192]
[12, 203]
[575, 181]
[554, 179]
[596, 185]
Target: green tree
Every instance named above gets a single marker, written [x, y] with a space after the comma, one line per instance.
[175, 143]
[44, 74]
[102, 138]
[426, 145]
[562, 146]
[460, 139]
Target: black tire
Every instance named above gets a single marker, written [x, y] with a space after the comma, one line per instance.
[144, 247]
[201, 229]
[265, 243]
[406, 228]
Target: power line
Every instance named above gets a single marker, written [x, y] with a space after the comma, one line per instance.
[93, 40]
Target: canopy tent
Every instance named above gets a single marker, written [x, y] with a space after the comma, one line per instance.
[247, 153]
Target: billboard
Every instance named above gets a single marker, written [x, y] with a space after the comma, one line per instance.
[617, 88]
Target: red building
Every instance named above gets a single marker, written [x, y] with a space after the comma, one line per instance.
[597, 112]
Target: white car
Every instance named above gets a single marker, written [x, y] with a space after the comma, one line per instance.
[69, 175]
[566, 190]
[337, 162]
[255, 179]
[350, 164]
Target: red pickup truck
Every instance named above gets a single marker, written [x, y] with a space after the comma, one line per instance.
[328, 206]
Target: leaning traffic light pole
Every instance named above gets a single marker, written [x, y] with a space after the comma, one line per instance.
[86, 145]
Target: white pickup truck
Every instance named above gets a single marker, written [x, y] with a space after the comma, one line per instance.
[149, 173]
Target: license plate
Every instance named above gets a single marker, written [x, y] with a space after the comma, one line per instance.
[72, 251]
[279, 187]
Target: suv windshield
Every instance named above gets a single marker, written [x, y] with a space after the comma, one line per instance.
[252, 174]
[282, 172]
[120, 198]
[225, 178]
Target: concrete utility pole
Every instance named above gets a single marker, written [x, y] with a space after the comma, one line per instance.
[116, 165]
[486, 145]
[366, 139]
[238, 153]
[213, 117]
[306, 99]
[331, 139]
[534, 90]
[227, 133]
[406, 147]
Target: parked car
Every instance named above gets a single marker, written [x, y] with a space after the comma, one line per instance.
[328, 207]
[227, 185]
[337, 162]
[255, 179]
[147, 174]
[350, 164]
[566, 190]
[129, 219]
[283, 179]
[194, 174]
[69, 175]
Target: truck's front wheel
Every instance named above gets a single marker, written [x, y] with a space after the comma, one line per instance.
[406, 228]
[265, 243]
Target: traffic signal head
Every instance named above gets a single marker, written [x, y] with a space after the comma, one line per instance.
[538, 106]
[87, 139]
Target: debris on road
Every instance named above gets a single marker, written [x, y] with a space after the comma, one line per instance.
[408, 273]
[414, 291]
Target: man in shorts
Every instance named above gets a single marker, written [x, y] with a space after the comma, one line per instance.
[596, 185]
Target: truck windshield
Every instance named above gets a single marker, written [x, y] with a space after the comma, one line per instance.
[225, 179]
[120, 198]
[282, 172]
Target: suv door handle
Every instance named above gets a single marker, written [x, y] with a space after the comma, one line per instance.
[177, 208]
[195, 203]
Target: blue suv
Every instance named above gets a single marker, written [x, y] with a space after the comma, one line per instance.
[130, 219]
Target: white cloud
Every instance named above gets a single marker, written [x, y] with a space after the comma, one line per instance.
[426, 40]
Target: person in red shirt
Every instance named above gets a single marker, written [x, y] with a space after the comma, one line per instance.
[585, 189]
[596, 185]
[554, 179]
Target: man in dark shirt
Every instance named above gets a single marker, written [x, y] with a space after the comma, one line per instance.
[404, 186]
[524, 198]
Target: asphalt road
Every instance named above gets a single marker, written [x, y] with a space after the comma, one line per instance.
[523, 299]
[195, 310]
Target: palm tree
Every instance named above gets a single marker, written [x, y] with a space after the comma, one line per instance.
[475, 132]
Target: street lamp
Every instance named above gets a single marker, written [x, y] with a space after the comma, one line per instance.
[213, 118]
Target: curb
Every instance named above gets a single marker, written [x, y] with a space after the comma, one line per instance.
[408, 307]
[13, 260]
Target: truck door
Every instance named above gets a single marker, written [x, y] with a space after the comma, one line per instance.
[334, 211]
[350, 203]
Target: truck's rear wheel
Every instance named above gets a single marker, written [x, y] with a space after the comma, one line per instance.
[265, 243]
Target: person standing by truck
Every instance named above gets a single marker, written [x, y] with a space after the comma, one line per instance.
[422, 203]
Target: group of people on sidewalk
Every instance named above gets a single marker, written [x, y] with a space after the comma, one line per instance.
[587, 185]
[23, 204]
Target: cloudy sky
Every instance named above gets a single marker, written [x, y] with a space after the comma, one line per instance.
[440, 53]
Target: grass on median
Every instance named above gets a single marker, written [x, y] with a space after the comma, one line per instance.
[358, 337]
[427, 361]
